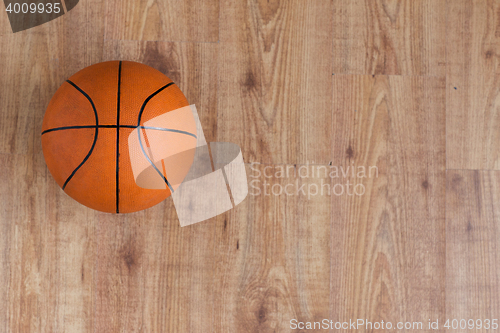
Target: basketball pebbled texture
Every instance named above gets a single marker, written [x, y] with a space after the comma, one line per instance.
[91, 163]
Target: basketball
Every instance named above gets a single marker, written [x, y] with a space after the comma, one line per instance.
[89, 123]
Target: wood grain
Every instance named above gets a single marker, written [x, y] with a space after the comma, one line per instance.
[414, 91]
[387, 245]
[153, 275]
[48, 257]
[390, 37]
[274, 100]
[472, 244]
[473, 83]
[6, 215]
[5, 27]
[50, 252]
[273, 253]
[275, 79]
[35, 63]
[163, 20]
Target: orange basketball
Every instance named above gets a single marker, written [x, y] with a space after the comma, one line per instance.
[86, 129]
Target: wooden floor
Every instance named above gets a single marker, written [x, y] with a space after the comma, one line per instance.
[411, 87]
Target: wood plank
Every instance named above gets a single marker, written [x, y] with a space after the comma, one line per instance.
[275, 79]
[273, 253]
[83, 36]
[51, 253]
[22, 74]
[472, 245]
[473, 98]
[389, 37]
[7, 211]
[49, 245]
[5, 27]
[274, 102]
[163, 20]
[36, 62]
[388, 250]
[153, 275]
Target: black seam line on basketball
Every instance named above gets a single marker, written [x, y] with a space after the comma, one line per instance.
[115, 126]
[118, 140]
[95, 133]
[69, 127]
[139, 133]
[147, 101]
